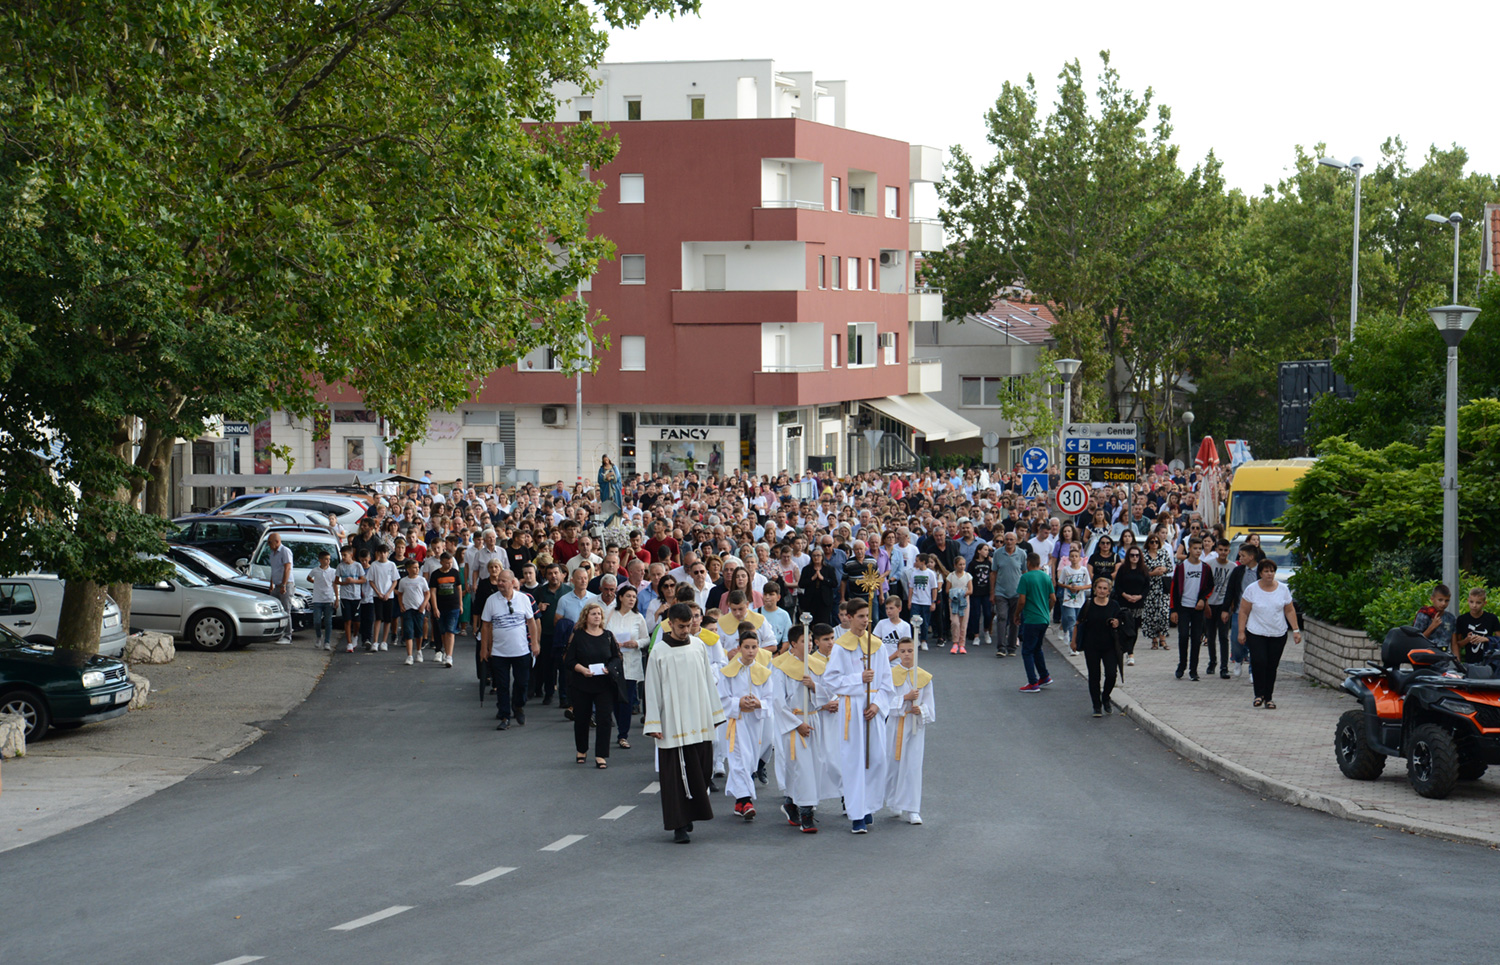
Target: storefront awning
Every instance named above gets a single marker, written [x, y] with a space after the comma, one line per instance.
[926, 415]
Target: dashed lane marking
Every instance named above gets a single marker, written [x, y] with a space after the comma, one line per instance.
[242, 960]
[652, 788]
[390, 912]
[617, 813]
[565, 841]
[490, 875]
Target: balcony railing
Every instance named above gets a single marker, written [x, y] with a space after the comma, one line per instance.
[791, 203]
[782, 369]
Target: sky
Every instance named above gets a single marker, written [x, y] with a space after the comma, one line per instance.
[1247, 81]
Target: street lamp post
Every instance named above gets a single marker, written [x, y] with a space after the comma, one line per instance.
[1356, 164]
[1456, 220]
[1453, 322]
[1187, 425]
[1067, 368]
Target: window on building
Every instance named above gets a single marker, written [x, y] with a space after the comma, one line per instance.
[888, 348]
[822, 271]
[585, 116]
[837, 352]
[854, 270]
[481, 417]
[827, 413]
[861, 344]
[857, 200]
[632, 353]
[632, 108]
[838, 272]
[836, 192]
[695, 107]
[892, 201]
[874, 276]
[632, 189]
[987, 392]
[543, 359]
[715, 273]
[632, 269]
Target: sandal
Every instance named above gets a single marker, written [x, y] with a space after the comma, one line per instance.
[1270, 705]
[601, 764]
[1259, 702]
[582, 759]
[623, 743]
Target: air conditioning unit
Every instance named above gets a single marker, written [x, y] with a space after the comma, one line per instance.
[890, 258]
[555, 416]
[887, 339]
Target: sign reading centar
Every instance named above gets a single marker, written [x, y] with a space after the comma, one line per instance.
[683, 432]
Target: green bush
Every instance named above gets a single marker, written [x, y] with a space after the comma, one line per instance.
[1398, 603]
[1333, 597]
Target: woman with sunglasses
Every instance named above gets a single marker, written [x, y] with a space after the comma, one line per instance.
[1155, 618]
[1132, 585]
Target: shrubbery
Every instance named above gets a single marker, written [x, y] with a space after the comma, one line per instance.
[1397, 604]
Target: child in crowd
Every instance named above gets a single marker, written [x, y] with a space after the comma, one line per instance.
[779, 619]
[1434, 621]
[745, 692]
[383, 577]
[794, 707]
[825, 733]
[416, 599]
[892, 629]
[1476, 634]
[350, 579]
[366, 604]
[909, 736]
[324, 599]
[923, 580]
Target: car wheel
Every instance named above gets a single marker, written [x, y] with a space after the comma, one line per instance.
[1357, 759]
[31, 708]
[211, 630]
[1432, 762]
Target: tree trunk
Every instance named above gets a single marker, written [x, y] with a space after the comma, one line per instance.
[82, 614]
[121, 594]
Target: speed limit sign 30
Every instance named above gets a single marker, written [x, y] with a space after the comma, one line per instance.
[1072, 498]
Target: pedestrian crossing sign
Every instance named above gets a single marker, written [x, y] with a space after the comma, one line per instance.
[1034, 485]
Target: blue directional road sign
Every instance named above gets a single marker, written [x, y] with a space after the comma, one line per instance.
[1034, 460]
[1034, 485]
[1100, 452]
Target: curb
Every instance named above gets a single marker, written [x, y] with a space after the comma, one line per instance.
[1270, 787]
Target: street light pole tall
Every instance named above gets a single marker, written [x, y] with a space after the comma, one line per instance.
[1457, 221]
[1453, 323]
[1187, 425]
[1356, 164]
[1067, 368]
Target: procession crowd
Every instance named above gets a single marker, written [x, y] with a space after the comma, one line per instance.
[751, 621]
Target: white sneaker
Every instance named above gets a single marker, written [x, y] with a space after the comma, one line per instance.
[1238, 667]
[349, 649]
[914, 818]
[327, 646]
[419, 656]
[384, 646]
[924, 645]
[408, 661]
[447, 660]
[1130, 661]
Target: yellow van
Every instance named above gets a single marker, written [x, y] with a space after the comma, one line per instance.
[1257, 496]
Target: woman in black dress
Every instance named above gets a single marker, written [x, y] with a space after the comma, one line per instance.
[1132, 585]
[592, 693]
[820, 589]
[1095, 634]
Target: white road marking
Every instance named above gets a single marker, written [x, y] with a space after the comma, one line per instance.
[652, 788]
[390, 912]
[242, 960]
[565, 841]
[490, 875]
[617, 813]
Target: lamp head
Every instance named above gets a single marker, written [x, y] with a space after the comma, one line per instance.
[1332, 162]
[1067, 368]
[1356, 162]
[1437, 219]
[1188, 417]
[1453, 321]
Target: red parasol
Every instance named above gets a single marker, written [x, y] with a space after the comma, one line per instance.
[1208, 454]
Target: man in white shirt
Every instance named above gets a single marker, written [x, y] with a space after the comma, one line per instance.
[280, 570]
[510, 638]
[479, 559]
[382, 576]
[586, 554]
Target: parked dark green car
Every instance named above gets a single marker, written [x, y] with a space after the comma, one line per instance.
[50, 686]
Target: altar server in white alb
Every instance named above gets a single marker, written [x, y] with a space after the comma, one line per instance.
[793, 712]
[861, 677]
[908, 726]
[731, 626]
[745, 693]
[825, 735]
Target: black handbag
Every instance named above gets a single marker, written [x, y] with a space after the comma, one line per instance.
[616, 670]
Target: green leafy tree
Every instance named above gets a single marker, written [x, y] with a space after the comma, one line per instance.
[219, 206]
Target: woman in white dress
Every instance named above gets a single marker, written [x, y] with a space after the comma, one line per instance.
[629, 629]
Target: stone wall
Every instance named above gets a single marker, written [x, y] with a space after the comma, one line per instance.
[1328, 649]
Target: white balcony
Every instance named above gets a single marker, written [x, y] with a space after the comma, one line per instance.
[926, 306]
[924, 375]
[926, 163]
[926, 235]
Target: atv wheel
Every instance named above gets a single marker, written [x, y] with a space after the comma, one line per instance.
[1357, 759]
[1471, 770]
[1432, 763]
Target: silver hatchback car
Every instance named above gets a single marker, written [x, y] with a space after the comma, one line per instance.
[206, 616]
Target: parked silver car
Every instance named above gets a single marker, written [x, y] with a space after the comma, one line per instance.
[31, 603]
[211, 617]
[348, 508]
[305, 543]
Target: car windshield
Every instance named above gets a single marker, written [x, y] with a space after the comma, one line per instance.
[1281, 553]
[205, 563]
[187, 577]
[304, 551]
[9, 637]
[1256, 508]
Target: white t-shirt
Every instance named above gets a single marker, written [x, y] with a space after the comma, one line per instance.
[1075, 584]
[322, 584]
[382, 577]
[922, 583]
[1192, 583]
[507, 619]
[1267, 610]
[891, 634]
[413, 592]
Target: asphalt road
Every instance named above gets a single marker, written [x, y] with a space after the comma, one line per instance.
[1050, 837]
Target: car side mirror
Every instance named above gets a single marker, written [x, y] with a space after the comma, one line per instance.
[242, 565]
[163, 585]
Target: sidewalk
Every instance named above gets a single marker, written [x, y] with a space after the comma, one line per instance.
[203, 707]
[1287, 753]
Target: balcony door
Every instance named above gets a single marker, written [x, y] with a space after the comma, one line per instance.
[713, 273]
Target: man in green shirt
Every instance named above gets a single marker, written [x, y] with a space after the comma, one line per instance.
[1034, 602]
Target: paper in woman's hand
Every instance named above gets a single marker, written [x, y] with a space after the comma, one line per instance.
[597, 669]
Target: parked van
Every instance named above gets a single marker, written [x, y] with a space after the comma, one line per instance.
[1257, 495]
[31, 604]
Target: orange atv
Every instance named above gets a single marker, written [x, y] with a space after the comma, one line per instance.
[1443, 717]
